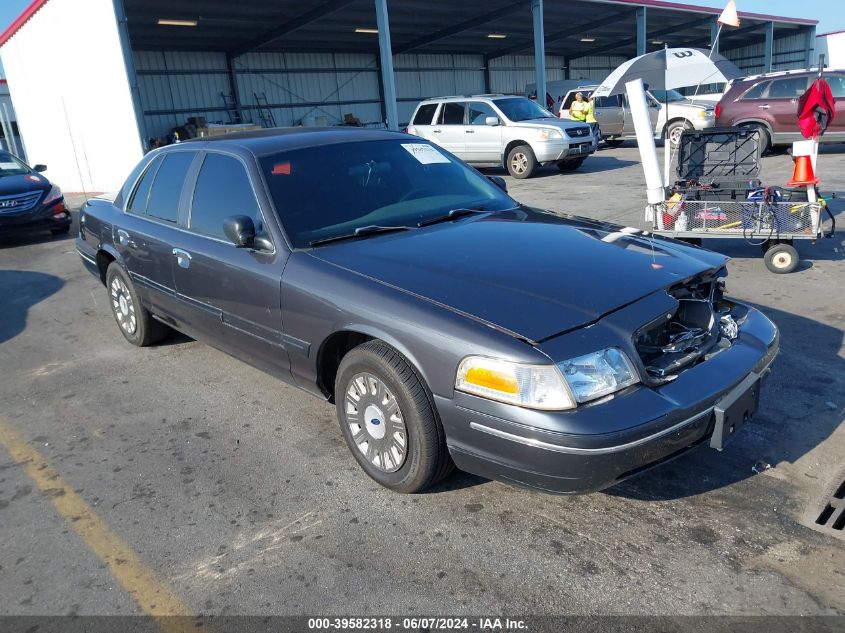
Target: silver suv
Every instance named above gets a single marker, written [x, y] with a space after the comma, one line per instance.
[496, 130]
[614, 115]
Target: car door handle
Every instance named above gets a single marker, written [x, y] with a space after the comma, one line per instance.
[436, 131]
[764, 107]
[124, 239]
[470, 131]
[183, 258]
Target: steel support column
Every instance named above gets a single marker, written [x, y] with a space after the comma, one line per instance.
[131, 75]
[539, 51]
[811, 59]
[769, 46]
[386, 64]
[714, 35]
[642, 31]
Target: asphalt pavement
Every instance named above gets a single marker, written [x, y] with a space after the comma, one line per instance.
[229, 492]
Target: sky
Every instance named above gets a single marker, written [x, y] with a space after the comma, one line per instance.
[830, 13]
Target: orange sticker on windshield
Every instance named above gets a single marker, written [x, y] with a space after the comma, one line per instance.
[282, 169]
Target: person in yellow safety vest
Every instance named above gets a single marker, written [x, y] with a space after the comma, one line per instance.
[590, 117]
[578, 108]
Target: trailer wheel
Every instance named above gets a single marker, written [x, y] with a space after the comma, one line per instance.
[781, 258]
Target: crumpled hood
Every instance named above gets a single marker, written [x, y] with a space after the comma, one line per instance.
[531, 273]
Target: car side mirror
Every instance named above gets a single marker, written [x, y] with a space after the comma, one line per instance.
[240, 229]
[40, 168]
[499, 182]
[492, 121]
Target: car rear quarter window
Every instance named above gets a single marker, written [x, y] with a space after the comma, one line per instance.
[452, 114]
[757, 92]
[614, 101]
[167, 187]
[223, 189]
[425, 114]
[787, 88]
[138, 202]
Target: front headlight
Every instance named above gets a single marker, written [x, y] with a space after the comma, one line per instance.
[531, 386]
[549, 133]
[54, 194]
[598, 374]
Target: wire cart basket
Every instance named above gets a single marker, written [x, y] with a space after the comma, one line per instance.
[718, 194]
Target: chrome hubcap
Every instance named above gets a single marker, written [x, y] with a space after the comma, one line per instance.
[122, 306]
[675, 135]
[519, 163]
[375, 422]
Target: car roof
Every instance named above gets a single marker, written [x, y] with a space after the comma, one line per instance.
[270, 141]
[785, 73]
[465, 97]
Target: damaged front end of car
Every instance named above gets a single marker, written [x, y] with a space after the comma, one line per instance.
[703, 323]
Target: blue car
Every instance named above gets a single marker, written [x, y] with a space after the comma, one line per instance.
[29, 203]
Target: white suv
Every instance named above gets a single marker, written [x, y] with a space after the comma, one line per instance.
[496, 130]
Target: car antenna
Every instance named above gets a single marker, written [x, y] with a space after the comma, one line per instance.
[75, 155]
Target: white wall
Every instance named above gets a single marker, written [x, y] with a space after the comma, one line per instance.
[68, 81]
[833, 48]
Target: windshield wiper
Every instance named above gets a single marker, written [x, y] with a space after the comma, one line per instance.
[454, 213]
[361, 231]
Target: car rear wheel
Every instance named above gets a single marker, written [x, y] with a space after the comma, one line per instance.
[521, 162]
[388, 420]
[765, 139]
[781, 258]
[134, 321]
[570, 165]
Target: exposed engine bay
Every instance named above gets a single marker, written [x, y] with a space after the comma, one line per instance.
[703, 324]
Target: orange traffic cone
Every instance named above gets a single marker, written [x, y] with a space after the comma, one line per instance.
[803, 175]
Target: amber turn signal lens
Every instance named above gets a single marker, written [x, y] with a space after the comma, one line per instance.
[492, 379]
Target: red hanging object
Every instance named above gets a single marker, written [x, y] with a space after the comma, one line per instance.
[816, 109]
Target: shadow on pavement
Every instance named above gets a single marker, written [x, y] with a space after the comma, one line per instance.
[795, 416]
[19, 291]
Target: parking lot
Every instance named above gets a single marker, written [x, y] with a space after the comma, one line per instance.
[238, 495]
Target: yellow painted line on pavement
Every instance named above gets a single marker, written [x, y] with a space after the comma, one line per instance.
[138, 580]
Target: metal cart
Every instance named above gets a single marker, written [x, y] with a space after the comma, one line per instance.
[718, 194]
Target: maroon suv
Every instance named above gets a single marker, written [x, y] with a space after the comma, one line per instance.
[770, 103]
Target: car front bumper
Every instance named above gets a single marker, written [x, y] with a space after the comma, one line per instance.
[518, 445]
[553, 151]
[41, 219]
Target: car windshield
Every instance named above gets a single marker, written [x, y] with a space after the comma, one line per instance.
[332, 190]
[521, 109]
[667, 96]
[11, 166]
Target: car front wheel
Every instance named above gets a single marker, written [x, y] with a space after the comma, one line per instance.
[388, 420]
[674, 131]
[521, 162]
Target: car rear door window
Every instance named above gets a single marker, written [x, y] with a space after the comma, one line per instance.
[167, 188]
[138, 203]
[613, 101]
[837, 85]
[425, 114]
[787, 88]
[757, 91]
[452, 114]
[223, 189]
[479, 111]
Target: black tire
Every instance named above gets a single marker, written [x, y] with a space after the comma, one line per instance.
[126, 304]
[781, 258]
[570, 165]
[426, 459]
[61, 231]
[614, 142]
[674, 131]
[765, 139]
[521, 162]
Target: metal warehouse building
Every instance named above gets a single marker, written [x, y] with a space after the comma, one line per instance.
[93, 81]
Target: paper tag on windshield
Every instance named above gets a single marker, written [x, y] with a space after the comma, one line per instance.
[426, 154]
[9, 166]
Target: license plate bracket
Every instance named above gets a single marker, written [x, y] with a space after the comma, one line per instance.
[734, 410]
